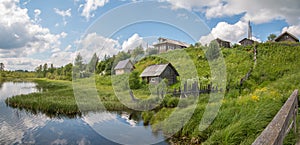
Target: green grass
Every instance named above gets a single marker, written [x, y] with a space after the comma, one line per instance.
[246, 110]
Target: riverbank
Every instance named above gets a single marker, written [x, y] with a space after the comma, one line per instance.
[246, 109]
[56, 98]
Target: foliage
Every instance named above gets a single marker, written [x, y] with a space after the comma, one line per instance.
[271, 37]
[134, 80]
[2, 66]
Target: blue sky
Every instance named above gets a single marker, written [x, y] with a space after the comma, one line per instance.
[51, 31]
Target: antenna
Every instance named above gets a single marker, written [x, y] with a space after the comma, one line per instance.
[249, 30]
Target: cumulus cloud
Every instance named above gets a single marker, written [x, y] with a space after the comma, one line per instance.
[37, 18]
[61, 58]
[68, 48]
[255, 10]
[64, 14]
[134, 41]
[93, 42]
[24, 35]
[22, 63]
[90, 6]
[228, 32]
[295, 30]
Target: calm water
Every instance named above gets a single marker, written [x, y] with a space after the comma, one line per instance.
[22, 127]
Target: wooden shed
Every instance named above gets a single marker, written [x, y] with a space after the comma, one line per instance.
[222, 43]
[154, 74]
[246, 42]
[286, 37]
[124, 66]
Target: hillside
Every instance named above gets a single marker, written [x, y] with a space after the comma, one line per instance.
[246, 110]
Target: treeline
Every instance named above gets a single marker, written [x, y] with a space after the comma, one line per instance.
[57, 73]
[80, 69]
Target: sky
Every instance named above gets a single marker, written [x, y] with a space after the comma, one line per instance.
[35, 32]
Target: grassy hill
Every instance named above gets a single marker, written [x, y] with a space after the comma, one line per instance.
[246, 110]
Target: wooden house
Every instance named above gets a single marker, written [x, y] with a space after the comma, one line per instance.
[246, 42]
[154, 74]
[286, 37]
[165, 45]
[124, 66]
[222, 43]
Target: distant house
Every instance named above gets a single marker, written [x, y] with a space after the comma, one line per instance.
[124, 66]
[165, 45]
[155, 73]
[222, 43]
[246, 42]
[286, 37]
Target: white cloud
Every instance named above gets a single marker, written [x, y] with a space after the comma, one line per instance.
[61, 58]
[90, 6]
[93, 42]
[257, 11]
[134, 41]
[64, 14]
[192, 4]
[21, 63]
[229, 32]
[295, 30]
[24, 35]
[37, 18]
[68, 48]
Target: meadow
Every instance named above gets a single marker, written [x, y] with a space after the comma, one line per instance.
[246, 109]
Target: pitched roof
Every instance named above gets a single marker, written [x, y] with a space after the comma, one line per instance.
[245, 40]
[122, 64]
[156, 70]
[221, 40]
[286, 33]
[165, 40]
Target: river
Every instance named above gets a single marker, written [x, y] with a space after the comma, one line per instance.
[24, 127]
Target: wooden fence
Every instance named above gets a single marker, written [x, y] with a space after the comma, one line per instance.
[281, 124]
[193, 89]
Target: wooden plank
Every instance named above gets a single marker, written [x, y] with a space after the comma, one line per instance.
[275, 132]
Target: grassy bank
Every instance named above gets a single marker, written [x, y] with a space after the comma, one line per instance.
[245, 112]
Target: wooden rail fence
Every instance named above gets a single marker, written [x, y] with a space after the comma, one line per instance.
[281, 124]
[193, 89]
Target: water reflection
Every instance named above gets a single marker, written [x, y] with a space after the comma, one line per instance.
[19, 126]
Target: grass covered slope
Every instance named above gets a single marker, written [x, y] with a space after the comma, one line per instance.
[246, 110]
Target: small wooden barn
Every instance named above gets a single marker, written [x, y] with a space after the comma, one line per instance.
[246, 42]
[286, 37]
[222, 43]
[124, 66]
[154, 74]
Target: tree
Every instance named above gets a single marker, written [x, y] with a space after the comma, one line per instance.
[2, 66]
[79, 61]
[198, 44]
[271, 37]
[213, 51]
[93, 63]
[152, 51]
[134, 81]
[137, 52]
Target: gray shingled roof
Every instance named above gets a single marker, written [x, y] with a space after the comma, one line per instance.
[153, 70]
[170, 41]
[122, 64]
[156, 70]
